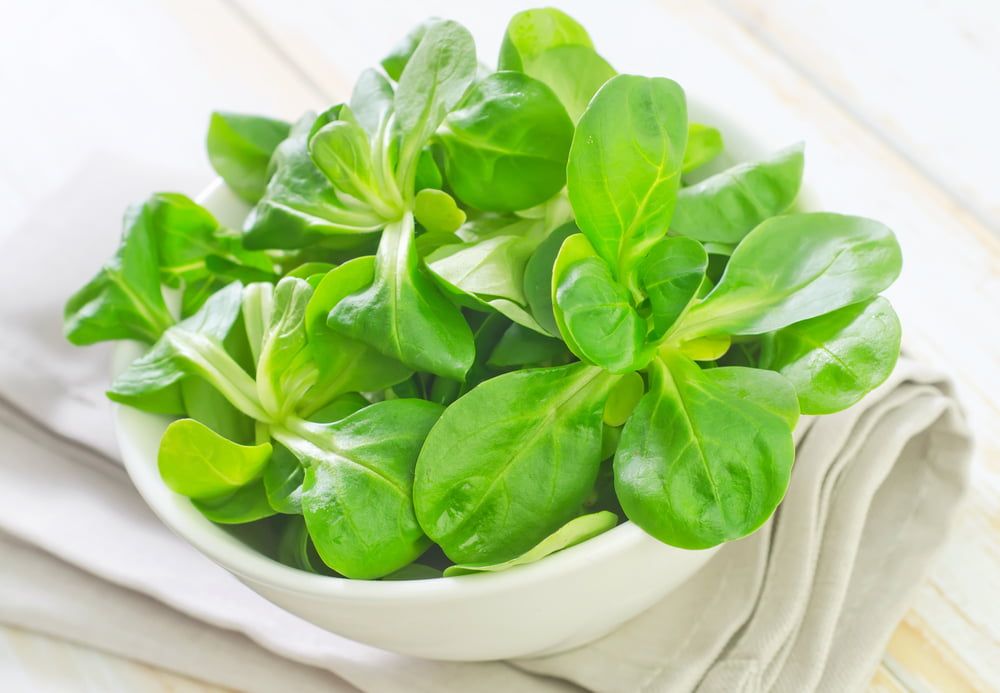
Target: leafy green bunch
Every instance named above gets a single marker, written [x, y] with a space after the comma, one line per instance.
[476, 317]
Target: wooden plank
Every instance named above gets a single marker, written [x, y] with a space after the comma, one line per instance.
[919, 77]
[37, 663]
[950, 286]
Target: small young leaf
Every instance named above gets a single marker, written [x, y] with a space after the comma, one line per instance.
[284, 373]
[283, 476]
[437, 212]
[341, 150]
[400, 55]
[623, 399]
[371, 100]
[704, 143]
[197, 462]
[670, 276]
[594, 312]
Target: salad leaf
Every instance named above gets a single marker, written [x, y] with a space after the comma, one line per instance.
[197, 462]
[706, 458]
[727, 206]
[625, 165]
[506, 144]
[356, 494]
[834, 360]
[240, 148]
[493, 479]
[124, 300]
[795, 267]
[403, 314]
[577, 530]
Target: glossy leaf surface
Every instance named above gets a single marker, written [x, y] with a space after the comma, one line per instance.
[494, 479]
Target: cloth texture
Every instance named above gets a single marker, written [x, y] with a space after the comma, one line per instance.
[806, 603]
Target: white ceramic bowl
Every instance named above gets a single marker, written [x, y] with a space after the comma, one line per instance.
[563, 601]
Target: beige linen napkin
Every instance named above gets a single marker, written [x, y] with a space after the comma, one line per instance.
[807, 603]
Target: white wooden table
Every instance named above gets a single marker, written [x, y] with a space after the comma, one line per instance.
[897, 101]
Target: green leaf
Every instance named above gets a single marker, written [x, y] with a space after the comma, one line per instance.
[206, 405]
[283, 476]
[490, 266]
[414, 571]
[520, 346]
[194, 346]
[337, 409]
[191, 245]
[494, 478]
[246, 504]
[625, 165]
[593, 311]
[345, 364]
[506, 145]
[356, 496]
[623, 399]
[341, 150]
[284, 374]
[795, 267]
[300, 207]
[531, 32]
[704, 143]
[296, 549]
[123, 301]
[434, 80]
[835, 359]
[403, 314]
[197, 462]
[707, 455]
[670, 276]
[437, 212]
[371, 100]
[574, 532]
[240, 147]
[400, 55]
[727, 206]
[428, 174]
[574, 73]
[538, 277]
